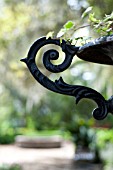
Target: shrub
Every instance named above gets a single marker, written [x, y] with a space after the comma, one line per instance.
[10, 167]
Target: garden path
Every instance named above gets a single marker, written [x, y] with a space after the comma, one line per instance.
[43, 159]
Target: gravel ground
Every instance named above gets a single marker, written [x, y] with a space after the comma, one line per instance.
[44, 159]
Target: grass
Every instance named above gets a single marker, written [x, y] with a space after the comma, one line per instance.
[48, 133]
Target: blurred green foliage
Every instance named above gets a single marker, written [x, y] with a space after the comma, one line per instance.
[10, 167]
[24, 103]
[104, 137]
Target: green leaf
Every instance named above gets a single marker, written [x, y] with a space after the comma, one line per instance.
[86, 12]
[92, 18]
[50, 34]
[108, 17]
[61, 33]
[69, 25]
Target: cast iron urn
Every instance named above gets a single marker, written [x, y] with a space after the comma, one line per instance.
[98, 51]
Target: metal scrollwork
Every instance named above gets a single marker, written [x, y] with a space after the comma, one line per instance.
[59, 86]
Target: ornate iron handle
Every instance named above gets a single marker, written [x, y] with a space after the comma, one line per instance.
[96, 52]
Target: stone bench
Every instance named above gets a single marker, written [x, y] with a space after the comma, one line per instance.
[38, 141]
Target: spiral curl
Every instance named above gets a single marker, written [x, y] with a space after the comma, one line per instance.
[59, 86]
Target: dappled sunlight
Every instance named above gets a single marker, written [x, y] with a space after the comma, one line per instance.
[32, 119]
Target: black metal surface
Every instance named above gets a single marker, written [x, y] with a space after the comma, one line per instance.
[99, 51]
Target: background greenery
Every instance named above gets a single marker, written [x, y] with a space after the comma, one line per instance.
[27, 107]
